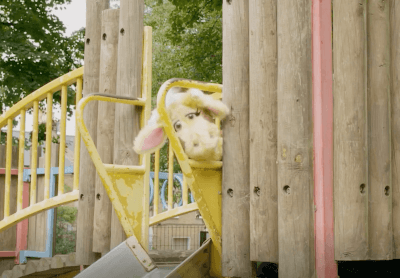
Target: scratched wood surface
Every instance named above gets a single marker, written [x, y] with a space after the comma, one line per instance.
[378, 94]
[129, 71]
[87, 172]
[295, 156]
[263, 132]
[395, 120]
[236, 171]
[350, 134]
[105, 126]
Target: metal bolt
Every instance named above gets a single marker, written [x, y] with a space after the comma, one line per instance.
[230, 192]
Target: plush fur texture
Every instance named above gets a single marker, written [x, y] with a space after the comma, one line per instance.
[192, 114]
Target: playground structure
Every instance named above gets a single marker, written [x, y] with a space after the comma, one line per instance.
[272, 201]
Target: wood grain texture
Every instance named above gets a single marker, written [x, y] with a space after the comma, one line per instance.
[87, 173]
[236, 170]
[350, 146]
[379, 170]
[127, 117]
[295, 170]
[9, 236]
[395, 120]
[105, 126]
[263, 132]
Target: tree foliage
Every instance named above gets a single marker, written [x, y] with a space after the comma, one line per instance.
[65, 236]
[33, 47]
[187, 40]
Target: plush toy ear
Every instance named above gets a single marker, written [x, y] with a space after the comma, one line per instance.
[215, 107]
[150, 138]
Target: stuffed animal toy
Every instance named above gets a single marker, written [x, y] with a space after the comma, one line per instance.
[192, 115]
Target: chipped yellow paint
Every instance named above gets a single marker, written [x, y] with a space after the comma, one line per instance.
[284, 153]
[298, 158]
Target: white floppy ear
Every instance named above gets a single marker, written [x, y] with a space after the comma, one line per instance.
[215, 107]
[151, 137]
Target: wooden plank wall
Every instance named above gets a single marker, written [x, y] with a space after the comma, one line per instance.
[129, 70]
[350, 123]
[395, 119]
[87, 173]
[378, 107]
[236, 160]
[263, 132]
[295, 154]
[105, 126]
[366, 48]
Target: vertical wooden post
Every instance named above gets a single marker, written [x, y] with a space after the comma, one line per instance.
[235, 173]
[325, 264]
[395, 119]
[105, 126]
[295, 170]
[379, 168]
[350, 148]
[263, 132]
[127, 117]
[87, 173]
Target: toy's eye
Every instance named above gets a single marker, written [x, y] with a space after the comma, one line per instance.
[192, 115]
[177, 126]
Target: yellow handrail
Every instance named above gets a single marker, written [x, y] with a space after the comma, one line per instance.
[19, 109]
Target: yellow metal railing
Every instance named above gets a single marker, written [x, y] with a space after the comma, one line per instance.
[186, 207]
[20, 109]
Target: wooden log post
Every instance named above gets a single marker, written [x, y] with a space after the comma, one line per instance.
[87, 172]
[379, 166]
[236, 170]
[127, 117]
[350, 177]
[105, 126]
[395, 119]
[263, 132]
[295, 153]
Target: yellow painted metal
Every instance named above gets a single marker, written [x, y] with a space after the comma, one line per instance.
[53, 86]
[21, 159]
[156, 182]
[61, 163]
[8, 169]
[203, 178]
[124, 184]
[146, 94]
[112, 168]
[20, 108]
[173, 213]
[49, 128]
[39, 207]
[77, 145]
[170, 175]
[34, 153]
